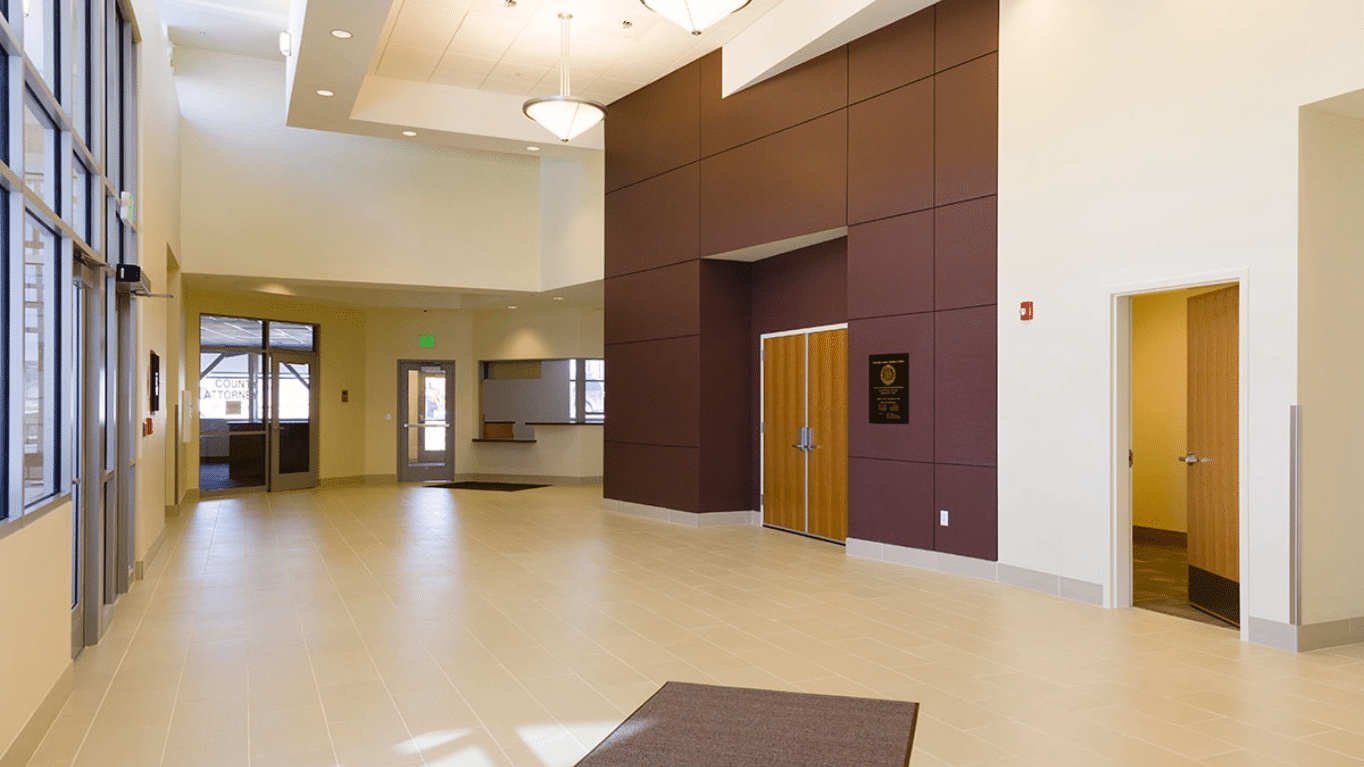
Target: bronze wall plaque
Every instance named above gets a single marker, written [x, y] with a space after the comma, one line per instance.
[888, 388]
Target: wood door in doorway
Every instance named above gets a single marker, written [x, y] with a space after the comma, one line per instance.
[783, 418]
[1214, 450]
[828, 457]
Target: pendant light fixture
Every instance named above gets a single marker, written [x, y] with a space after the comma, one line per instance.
[695, 16]
[565, 116]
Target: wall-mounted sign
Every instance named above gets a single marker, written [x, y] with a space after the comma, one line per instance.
[888, 388]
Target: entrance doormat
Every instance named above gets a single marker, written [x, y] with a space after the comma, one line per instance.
[701, 725]
[505, 487]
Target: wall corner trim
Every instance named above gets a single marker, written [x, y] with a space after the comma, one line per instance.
[686, 518]
[1009, 575]
[31, 736]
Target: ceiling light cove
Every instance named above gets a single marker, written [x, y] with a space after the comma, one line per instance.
[695, 16]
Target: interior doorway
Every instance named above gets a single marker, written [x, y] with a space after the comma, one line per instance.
[426, 445]
[804, 432]
[259, 405]
[1184, 453]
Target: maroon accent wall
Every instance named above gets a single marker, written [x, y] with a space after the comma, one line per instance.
[654, 223]
[726, 382]
[792, 97]
[755, 194]
[802, 289]
[655, 129]
[894, 136]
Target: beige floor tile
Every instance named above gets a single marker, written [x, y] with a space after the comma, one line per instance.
[393, 626]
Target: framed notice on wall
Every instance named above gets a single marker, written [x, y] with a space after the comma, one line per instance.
[888, 388]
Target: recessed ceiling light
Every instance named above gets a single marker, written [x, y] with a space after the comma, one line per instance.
[511, 307]
[341, 34]
[532, 149]
[325, 92]
[558, 298]
[409, 133]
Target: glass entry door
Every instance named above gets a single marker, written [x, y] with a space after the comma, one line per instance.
[426, 448]
[293, 421]
[91, 442]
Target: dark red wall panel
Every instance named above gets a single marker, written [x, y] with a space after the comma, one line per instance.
[970, 495]
[788, 184]
[659, 303]
[906, 333]
[895, 55]
[966, 159]
[653, 391]
[726, 381]
[890, 153]
[890, 266]
[651, 474]
[654, 223]
[655, 129]
[967, 29]
[966, 254]
[802, 289]
[966, 392]
[790, 98]
[910, 167]
[891, 502]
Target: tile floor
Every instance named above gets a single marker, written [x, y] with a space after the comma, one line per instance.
[386, 626]
[1160, 581]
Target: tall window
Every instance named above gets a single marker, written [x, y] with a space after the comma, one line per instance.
[76, 129]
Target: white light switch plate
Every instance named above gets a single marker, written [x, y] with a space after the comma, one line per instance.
[942, 517]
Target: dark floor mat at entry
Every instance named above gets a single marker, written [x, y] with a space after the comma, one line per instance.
[505, 487]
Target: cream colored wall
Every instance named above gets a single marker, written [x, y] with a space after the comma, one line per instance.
[1331, 364]
[466, 338]
[392, 335]
[263, 199]
[35, 609]
[158, 219]
[572, 221]
[1142, 145]
[1160, 408]
[342, 342]
[559, 451]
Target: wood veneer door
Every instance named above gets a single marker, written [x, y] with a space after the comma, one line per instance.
[1214, 449]
[783, 418]
[828, 459]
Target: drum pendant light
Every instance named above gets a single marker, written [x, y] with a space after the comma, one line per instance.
[565, 116]
[695, 16]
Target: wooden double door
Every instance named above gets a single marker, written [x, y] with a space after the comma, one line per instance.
[805, 432]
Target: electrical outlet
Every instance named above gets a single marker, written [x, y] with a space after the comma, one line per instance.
[942, 517]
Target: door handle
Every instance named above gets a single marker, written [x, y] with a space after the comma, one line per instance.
[1189, 459]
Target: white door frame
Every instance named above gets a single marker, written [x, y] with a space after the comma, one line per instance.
[1119, 591]
[762, 410]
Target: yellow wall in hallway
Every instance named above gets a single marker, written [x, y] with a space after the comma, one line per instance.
[35, 611]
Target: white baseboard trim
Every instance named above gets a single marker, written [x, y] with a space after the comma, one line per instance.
[26, 743]
[1046, 583]
[1313, 636]
[687, 518]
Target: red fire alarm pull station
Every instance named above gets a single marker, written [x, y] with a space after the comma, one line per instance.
[1025, 311]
